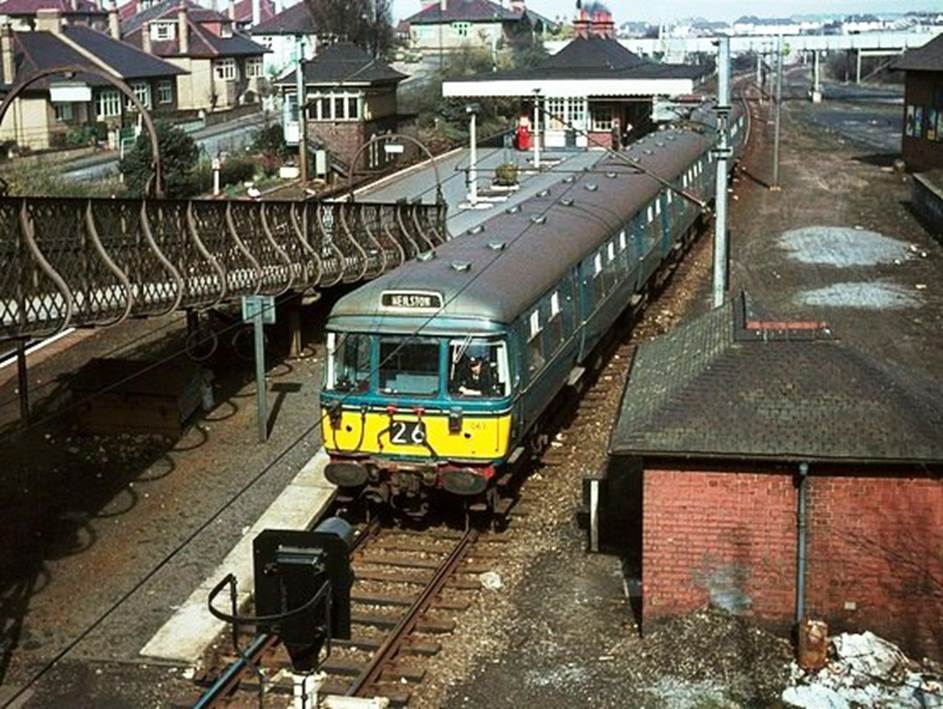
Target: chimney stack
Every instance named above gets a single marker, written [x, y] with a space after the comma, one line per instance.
[146, 38]
[256, 12]
[6, 50]
[183, 30]
[114, 23]
[48, 20]
[443, 5]
[232, 10]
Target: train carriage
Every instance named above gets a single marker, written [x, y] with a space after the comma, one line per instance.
[439, 372]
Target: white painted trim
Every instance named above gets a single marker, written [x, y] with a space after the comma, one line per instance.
[568, 88]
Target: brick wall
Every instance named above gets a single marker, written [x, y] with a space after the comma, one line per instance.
[875, 549]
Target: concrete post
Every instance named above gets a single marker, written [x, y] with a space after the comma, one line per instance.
[537, 129]
[720, 193]
[816, 79]
[778, 117]
[23, 383]
[858, 66]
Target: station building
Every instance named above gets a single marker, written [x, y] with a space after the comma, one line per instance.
[922, 139]
[587, 89]
[768, 468]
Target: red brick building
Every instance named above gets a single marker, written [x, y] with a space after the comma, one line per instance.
[735, 432]
[922, 140]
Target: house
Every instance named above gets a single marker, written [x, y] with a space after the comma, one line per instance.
[766, 467]
[451, 25]
[279, 35]
[350, 98]
[224, 68]
[589, 86]
[21, 14]
[51, 109]
[922, 139]
[761, 26]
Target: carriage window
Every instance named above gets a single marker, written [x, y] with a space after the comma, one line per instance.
[554, 336]
[535, 352]
[348, 364]
[554, 304]
[622, 240]
[668, 196]
[478, 368]
[409, 367]
[649, 211]
[611, 250]
[597, 264]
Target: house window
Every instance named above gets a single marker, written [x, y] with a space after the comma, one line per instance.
[556, 113]
[353, 107]
[461, 28]
[142, 92]
[325, 113]
[108, 104]
[601, 118]
[225, 69]
[338, 108]
[575, 107]
[63, 112]
[253, 67]
[163, 31]
[165, 92]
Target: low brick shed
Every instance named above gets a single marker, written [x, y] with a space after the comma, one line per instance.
[731, 421]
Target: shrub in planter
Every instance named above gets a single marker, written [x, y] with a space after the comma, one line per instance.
[505, 174]
[236, 170]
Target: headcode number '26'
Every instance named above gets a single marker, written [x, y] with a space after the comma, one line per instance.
[405, 433]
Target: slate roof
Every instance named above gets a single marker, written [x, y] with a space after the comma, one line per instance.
[929, 57]
[266, 10]
[39, 50]
[596, 58]
[202, 41]
[715, 388]
[344, 62]
[294, 20]
[31, 7]
[464, 11]
[129, 61]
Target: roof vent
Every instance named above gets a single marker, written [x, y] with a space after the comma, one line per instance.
[591, 187]
[635, 158]
[513, 210]
[426, 256]
[568, 179]
[476, 229]
[539, 218]
[461, 266]
[544, 193]
[649, 152]
[497, 245]
[611, 175]
[567, 202]
[659, 144]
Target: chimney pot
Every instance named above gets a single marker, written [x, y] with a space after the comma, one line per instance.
[49, 20]
[114, 22]
[183, 30]
[443, 5]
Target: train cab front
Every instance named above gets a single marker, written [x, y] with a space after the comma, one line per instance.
[409, 418]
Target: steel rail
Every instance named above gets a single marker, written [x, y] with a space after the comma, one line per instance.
[394, 641]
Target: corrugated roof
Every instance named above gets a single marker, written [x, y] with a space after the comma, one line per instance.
[130, 62]
[344, 62]
[714, 388]
[295, 20]
[464, 11]
[929, 57]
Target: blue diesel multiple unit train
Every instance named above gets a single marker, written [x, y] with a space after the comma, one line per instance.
[440, 373]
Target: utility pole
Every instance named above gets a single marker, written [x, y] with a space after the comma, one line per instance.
[302, 117]
[722, 152]
[779, 107]
[536, 129]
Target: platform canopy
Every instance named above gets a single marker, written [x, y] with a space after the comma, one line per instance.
[592, 66]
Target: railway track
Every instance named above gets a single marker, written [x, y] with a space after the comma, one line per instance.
[409, 587]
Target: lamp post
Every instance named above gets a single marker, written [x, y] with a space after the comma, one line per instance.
[537, 129]
[302, 118]
[472, 110]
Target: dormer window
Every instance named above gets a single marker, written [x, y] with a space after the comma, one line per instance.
[163, 31]
[225, 29]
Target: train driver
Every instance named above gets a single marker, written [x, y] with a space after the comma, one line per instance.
[473, 375]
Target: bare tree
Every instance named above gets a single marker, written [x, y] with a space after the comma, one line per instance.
[366, 23]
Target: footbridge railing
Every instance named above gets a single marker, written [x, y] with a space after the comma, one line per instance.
[77, 262]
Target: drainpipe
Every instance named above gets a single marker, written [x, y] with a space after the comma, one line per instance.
[801, 542]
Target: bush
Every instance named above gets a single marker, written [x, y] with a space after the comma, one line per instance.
[178, 154]
[236, 170]
[505, 174]
[79, 136]
[270, 141]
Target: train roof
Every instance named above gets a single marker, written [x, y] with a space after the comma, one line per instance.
[497, 270]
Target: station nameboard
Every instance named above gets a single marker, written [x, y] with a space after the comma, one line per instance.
[411, 300]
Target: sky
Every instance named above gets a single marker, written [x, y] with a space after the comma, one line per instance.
[666, 10]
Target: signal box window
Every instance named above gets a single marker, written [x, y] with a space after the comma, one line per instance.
[478, 368]
[348, 365]
[409, 367]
